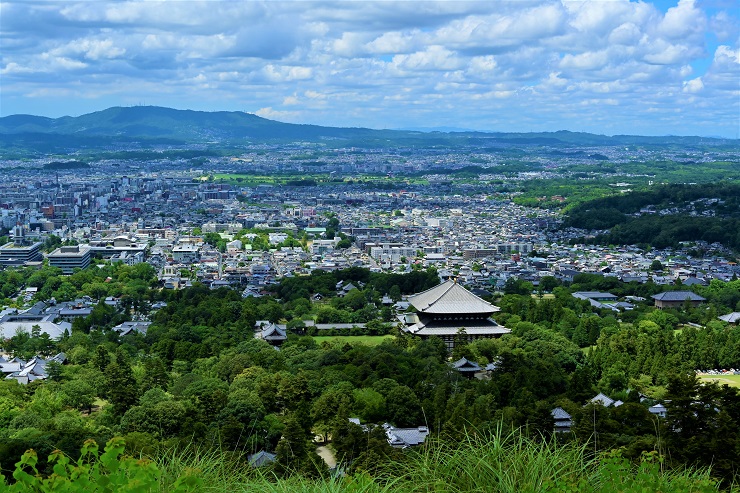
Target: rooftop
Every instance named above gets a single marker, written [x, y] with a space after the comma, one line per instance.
[678, 296]
[450, 298]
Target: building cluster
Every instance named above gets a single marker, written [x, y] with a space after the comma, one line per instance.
[267, 231]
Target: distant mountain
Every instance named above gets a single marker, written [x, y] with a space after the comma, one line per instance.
[158, 122]
[152, 124]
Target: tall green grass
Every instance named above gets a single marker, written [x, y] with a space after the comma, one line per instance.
[499, 462]
[487, 463]
[479, 463]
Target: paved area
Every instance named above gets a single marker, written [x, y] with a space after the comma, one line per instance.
[326, 454]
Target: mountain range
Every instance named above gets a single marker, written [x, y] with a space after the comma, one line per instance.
[157, 125]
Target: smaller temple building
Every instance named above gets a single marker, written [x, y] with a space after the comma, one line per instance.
[273, 334]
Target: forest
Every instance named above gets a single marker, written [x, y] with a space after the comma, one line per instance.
[199, 376]
[663, 216]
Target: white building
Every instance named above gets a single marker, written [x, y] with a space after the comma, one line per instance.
[69, 258]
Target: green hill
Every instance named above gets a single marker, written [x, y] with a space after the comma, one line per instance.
[152, 124]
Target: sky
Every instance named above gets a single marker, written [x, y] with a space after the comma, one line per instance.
[603, 66]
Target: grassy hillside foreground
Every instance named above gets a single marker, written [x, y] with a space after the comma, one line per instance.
[495, 463]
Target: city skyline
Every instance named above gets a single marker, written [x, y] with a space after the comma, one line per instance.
[608, 67]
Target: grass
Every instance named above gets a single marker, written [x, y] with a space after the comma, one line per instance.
[367, 340]
[545, 296]
[497, 462]
[501, 462]
[494, 462]
[587, 350]
[731, 380]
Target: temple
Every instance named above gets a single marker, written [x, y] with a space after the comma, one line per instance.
[452, 313]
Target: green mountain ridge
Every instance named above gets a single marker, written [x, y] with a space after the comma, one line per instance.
[143, 123]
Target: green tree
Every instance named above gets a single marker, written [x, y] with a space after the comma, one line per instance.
[155, 374]
[403, 407]
[78, 394]
[121, 388]
[294, 454]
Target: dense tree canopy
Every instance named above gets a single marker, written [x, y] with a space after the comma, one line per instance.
[199, 373]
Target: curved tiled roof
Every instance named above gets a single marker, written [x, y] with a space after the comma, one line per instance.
[450, 298]
[559, 413]
[678, 296]
[273, 333]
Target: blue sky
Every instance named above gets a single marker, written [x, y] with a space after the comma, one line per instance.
[602, 66]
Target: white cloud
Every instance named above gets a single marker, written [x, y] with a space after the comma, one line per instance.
[683, 20]
[272, 114]
[585, 61]
[725, 27]
[433, 58]
[92, 49]
[384, 63]
[291, 100]
[277, 73]
[395, 42]
[693, 85]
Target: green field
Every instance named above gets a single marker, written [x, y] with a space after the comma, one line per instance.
[546, 296]
[587, 350]
[368, 340]
[731, 380]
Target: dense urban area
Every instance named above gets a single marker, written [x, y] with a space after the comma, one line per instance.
[315, 308]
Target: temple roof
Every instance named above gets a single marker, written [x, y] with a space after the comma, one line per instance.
[451, 298]
[273, 333]
[465, 365]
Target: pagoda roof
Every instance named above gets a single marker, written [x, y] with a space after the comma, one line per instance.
[450, 298]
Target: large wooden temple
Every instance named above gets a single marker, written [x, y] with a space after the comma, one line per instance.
[452, 313]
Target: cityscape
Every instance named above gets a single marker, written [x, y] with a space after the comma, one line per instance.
[369, 246]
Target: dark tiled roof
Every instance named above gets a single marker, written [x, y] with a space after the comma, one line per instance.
[677, 296]
[603, 400]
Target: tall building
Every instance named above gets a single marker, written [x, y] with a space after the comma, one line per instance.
[21, 250]
[452, 313]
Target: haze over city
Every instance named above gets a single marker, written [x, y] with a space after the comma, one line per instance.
[610, 67]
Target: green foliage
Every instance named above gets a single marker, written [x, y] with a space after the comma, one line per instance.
[109, 472]
[518, 286]
[499, 461]
[618, 475]
[199, 374]
[663, 231]
[668, 231]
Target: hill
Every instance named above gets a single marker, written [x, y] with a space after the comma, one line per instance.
[158, 125]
